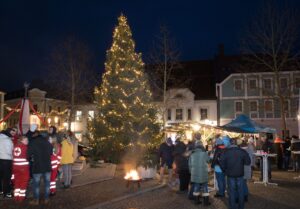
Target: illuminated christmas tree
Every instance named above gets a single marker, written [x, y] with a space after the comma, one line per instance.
[127, 116]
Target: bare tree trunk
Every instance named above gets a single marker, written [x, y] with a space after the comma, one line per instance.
[165, 83]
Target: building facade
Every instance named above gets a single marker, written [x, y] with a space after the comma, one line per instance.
[256, 95]
[53, 111]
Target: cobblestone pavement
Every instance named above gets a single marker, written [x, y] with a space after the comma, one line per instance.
[285, 196]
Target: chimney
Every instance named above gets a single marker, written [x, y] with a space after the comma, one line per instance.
[221, 50]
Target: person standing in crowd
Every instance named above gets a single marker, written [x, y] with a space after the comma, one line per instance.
[166, 159]
[252, 150]
[268, 148]
[198, 165]
[182, 168]
[67, 160]
[6, 157]
[52, 134]
[287, 152]
[279, 149]
[247, 168]
[220, 176]
[55, 162]
[40, 151]
[20, 169]
[74, 141]
[232, 163]
[295, 146]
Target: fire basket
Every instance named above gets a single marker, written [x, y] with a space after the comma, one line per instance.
[132, 178]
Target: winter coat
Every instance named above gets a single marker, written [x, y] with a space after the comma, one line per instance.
[165, 152]
[198, 166]
[6, 147]
[40, 151]
[215, 164]
[247, 168]
[295, 145]
[66, 152]
[181, 161]
[233, 161]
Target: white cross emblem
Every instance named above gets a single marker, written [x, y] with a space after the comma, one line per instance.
[17, 151]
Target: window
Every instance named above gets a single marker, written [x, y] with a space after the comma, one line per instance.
[283, 83]
[269, 109]
[49, 108]
[58, 109]
[253, 109]
[78, 115]
[35, 107]
[178, 114]
[238, 106]
[252, 84]
[287, 108]
[297, 82]
[91, 114]
[189, 114]
[169, 116]
[238, 85]
[253, 106]
[203, 113]
[267, 83]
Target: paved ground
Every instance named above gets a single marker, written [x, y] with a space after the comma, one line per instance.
[285, 196]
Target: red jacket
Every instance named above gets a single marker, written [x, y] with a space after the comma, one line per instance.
[20, 156]
[56, 157]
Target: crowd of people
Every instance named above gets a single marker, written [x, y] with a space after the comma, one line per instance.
[232, 161]
[26, 159]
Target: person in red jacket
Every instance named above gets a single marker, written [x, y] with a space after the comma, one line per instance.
[55, 163]
[20, 168]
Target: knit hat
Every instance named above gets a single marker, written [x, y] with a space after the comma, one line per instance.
[169, 140]
[226, 141]
[197, 136]
[198, 144]
[219, 141]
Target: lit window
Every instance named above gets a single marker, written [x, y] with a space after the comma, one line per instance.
[91, 114]
[78, 115]
[238, 85]
[203, 113]
[178, 114]
[253, 106]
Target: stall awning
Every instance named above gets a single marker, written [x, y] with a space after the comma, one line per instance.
[243, 124]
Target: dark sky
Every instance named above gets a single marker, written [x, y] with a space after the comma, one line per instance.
[30, 29]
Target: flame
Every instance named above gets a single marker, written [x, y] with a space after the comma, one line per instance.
[132, 175]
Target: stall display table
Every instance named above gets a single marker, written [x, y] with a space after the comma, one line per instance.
[296, 153]
[265, 157]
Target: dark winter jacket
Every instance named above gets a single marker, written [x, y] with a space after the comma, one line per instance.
[219, 151]
[287, 145]
[165, 152]
[233, 161]
[267, 146]
[40, 151]
[295, 145]
[180, 160]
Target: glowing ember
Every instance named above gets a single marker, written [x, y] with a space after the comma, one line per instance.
[132, 175]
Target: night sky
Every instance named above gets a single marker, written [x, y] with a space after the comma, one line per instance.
[29, 30]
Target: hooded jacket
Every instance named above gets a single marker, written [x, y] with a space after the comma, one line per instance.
[233, 161]
[6, 147]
